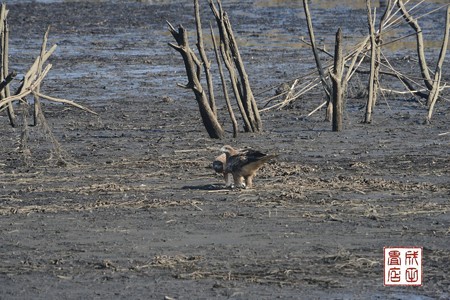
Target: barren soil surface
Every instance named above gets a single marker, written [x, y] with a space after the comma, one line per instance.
[138, 213]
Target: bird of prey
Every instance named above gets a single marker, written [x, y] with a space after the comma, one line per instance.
[243, 164]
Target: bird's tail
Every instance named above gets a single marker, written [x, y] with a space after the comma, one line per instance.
[269, 157]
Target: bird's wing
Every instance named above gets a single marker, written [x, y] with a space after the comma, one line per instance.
[252, 155]
[234, 163]
[245, 159]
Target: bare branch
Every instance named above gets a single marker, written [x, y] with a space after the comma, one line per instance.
[64, 101]
[325, 83]
[420, 44]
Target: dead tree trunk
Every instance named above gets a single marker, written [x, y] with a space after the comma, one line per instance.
[431, 84]
[245, 89]
[434, 92]
[323, 79]
[379, 43]
[420, 45]
[224, 86]
[5, 92]
[233, 61]
[338, 84]
[193, 69]
[206, 63]
[376, 42]
[372, 93]
[228, 61]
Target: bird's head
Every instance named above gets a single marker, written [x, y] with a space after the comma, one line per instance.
[227, 149]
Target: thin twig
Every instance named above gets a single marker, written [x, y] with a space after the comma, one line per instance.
[317, 108]
[64, 101]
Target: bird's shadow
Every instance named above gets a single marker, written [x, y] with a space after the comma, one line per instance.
[205, 187]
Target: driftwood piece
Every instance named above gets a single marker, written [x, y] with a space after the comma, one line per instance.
[192, 66]
[31, 88]
[290, 93]
[26, 90]
[65, 101]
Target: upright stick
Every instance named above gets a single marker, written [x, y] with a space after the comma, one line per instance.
[336, 78]
[323, 79]
[434, 92]
[224, 85]
[204, 58]
[4, 76]
[372, 93]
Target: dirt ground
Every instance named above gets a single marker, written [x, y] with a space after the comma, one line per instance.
[137, 212]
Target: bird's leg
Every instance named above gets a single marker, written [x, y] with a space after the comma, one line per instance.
[228, 179]
[238, 181]
[241, 183]
[249, 181]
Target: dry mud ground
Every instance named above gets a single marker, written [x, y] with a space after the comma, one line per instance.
[136, 214]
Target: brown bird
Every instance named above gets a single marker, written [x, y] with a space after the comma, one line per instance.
[243, 164]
